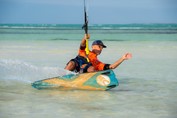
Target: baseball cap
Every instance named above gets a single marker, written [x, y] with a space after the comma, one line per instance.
[98, 42]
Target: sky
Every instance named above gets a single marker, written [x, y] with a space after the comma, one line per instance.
[99, 11]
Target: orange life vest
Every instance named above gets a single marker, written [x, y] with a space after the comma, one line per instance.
[98, 65]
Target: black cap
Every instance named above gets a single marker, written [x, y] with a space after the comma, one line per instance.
[98, 42]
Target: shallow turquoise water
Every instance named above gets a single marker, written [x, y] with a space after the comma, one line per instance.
[147, 81]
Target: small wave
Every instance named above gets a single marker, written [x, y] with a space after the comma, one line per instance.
[118, 40]
[59, 39]
[92, 26]
[22, 71]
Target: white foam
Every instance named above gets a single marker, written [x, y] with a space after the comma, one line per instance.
[26, 72]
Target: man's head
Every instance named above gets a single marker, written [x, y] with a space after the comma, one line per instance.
[97, 46]
[98, 42]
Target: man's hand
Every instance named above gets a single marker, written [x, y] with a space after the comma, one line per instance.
[87, 36]
[127, 56]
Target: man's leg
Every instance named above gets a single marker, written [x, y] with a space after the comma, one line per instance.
[87, 68]
[70, 66]
[91, 69]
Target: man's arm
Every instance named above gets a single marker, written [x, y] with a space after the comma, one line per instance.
[118, 62]
[83, 42]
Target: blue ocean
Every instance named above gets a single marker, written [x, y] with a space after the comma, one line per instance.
[147, 82]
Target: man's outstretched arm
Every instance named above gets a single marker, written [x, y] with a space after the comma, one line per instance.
[118, 62]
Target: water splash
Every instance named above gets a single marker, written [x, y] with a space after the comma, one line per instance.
[25, 72]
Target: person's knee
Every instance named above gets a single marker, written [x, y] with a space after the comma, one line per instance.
[70, 66]
[91, 69]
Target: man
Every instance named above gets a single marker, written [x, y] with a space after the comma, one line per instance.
[90, 63]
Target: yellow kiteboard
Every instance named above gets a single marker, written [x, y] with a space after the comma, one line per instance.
[102, 80]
